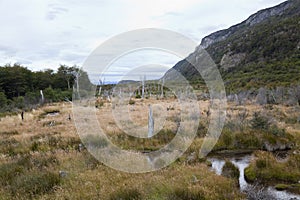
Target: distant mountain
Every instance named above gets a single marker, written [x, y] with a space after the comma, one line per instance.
[263, 50]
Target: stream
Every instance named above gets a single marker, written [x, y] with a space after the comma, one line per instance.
[258, 192]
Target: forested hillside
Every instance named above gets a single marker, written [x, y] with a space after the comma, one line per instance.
[262, 51]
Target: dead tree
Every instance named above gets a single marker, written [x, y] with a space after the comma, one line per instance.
[150, 123]
[22, 115]
[162, 88]
[42, 97]
[143, 86]
[101, 83]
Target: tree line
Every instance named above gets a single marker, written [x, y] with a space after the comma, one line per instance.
[21, 88]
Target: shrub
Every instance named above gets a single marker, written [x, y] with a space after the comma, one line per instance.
[250, 174]
[281, 187]
[131, 102]
[277, 131]
[227, 138]
[261, 163]
[260, 122]
[230, 170]
[99, 104]
[247, 141]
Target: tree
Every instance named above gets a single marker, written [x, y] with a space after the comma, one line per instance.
[3, 100]
[43, 79]
[15, 80]
[67, 75]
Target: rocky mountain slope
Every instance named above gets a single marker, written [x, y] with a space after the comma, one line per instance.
[263, 50]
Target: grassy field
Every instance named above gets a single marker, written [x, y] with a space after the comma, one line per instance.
[40, 157]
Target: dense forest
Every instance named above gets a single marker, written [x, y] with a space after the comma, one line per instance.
[20, 88]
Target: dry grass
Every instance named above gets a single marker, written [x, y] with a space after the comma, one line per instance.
[50, 144]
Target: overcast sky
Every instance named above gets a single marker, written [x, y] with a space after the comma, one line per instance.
[42, 34]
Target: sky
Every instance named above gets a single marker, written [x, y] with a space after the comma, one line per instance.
[42, 34]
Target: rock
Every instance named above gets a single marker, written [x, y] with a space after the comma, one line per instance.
[277, 147]
[80, 147]
[296, 152]
[230, 60]
[191, 158]
[251, 21]
[63, 174]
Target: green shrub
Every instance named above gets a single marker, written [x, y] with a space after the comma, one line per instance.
[99, 104]
[227, 138]
[230, 170]
[261, 163]
[260, 122]
[277, 131]
[131, 102]
[281, 187]
[250, 174]
[247, 140]
[126, 194]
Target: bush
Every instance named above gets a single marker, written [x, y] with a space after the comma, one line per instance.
[260, 122]
[131, 102]
[230, 170]
[281, 187]
[277, 131]
[19, 102]
[126, 194]
[250, 174]
[261, 163]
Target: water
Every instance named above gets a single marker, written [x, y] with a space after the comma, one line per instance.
[241, 162]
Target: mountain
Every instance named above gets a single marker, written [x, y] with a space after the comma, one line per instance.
[262, 51]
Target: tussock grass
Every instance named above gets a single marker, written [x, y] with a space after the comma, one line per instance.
[266, 169]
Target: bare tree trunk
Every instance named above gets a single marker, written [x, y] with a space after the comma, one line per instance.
[162, 88]
[143, 87]
[150, 123]
[42, 96]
